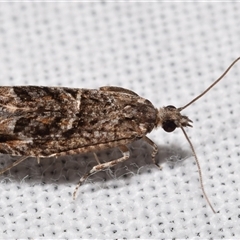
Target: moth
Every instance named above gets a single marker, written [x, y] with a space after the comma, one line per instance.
[45, 122]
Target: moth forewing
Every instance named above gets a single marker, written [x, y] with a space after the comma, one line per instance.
[97, 119]
[55, 121]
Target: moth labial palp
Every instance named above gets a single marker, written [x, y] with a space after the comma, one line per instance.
[56, 121]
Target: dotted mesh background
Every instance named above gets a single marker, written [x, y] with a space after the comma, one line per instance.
[166, 52]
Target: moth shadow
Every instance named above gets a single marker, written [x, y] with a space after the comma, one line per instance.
[69, 169]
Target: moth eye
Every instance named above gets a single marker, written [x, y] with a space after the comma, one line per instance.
[169, 126]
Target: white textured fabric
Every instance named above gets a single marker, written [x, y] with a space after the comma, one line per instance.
[166, 52]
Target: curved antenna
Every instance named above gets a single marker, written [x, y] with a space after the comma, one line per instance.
[199, 170]
[190, 143]
[211, 86]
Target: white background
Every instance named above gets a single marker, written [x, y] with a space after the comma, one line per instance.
[166, 52]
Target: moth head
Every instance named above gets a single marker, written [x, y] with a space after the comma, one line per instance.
[170, 118]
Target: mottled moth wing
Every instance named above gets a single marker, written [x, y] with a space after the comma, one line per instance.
[49, 121]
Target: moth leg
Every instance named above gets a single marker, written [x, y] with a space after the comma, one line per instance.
[102, 166]
[154, 152]
[12, 165]
[96, 158]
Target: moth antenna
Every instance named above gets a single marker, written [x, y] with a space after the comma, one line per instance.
[199, 170]
[170, 125]
[211, 86]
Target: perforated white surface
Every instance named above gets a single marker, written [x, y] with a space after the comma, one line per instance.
[166, 52]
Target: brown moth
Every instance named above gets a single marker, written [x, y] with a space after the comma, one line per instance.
[56, 121]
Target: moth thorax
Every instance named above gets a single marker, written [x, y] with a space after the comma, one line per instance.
[170, 118]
